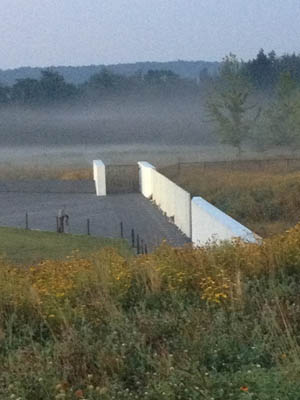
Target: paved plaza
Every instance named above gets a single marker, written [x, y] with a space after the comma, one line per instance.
[44, 200]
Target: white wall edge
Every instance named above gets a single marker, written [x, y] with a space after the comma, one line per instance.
[237, 229]
[99, 176]
[146, 178]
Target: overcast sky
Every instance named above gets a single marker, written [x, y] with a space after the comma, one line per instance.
[84, 32]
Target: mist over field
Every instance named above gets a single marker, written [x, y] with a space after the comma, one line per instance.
[154, 115]
[114, 121]
[120, 129]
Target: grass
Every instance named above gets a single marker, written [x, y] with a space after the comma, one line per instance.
[265, 199]
[24, 172]
[220, 322]
[26, 247]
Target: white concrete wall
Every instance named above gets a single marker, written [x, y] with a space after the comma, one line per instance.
[211, 224]
[197, 219]
[172, 200]
[146, 178]
[99, 177]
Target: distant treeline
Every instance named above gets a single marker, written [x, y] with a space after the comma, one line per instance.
[263, 73]
[265, 70]
[81, 74]
[53, 88]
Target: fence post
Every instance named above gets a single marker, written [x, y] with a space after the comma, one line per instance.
[142, 246]
[132, 238]
[137, 244]
[88, 226]
[26, 221]
[122, 232]
[146, 248]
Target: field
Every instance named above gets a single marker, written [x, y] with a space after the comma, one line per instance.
[27, 247]
[263, 195]
[212, 323]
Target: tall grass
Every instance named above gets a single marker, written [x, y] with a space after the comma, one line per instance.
[217, 322]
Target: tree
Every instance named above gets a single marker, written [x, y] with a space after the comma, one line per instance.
[4, 94]
[262, 71]
[283, 117]
[160, 77]
[227, 105]
[26, 91]
[54, 88]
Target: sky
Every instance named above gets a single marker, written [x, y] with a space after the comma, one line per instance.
[84, 32]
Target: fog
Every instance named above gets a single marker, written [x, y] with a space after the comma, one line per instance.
[113, 121]
[118, 130]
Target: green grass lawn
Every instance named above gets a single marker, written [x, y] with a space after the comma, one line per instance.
[25, 247]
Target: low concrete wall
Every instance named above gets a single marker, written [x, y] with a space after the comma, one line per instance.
[146, 178]
[170, 198]
[99, 177]
[173, 200]
[196, 218]
[211, 224]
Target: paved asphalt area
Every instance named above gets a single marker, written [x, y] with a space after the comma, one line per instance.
[105, 214]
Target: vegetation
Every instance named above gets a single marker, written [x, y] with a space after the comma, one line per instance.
[283, 116]
[25, 247]
[254, 102]
[220, 322]
[264, 199]
[228, 104]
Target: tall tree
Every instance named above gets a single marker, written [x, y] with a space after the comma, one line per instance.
[262, 71]
[228, 106]
[283, 117]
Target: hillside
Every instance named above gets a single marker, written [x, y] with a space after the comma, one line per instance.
[78, 75]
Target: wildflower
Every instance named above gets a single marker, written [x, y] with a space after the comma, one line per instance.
[79, 394]
[244, 388]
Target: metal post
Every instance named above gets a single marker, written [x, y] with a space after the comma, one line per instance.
[88, 226]
[26, 221]
[57, 226]
[132, 237]
[146, 248]
[122, 231]
[142, 246]
[137, 244]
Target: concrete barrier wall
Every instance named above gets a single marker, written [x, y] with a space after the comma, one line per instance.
[99, 177]
[211, 224]
[172, 200]
[196, 218]
[146, 178]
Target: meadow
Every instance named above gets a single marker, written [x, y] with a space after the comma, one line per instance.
[24, 247]
[219, 322]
